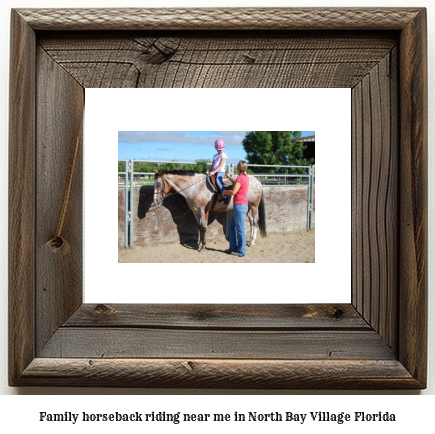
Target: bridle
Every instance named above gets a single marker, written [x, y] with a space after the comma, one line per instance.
[160, 200]
[164, 195]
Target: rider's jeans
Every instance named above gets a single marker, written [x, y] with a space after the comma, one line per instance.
[236, 229]
[219, 178]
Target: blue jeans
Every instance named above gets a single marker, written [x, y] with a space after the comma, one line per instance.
[219, 183]
[236, 230]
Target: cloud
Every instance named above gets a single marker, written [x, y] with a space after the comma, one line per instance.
[231, 138]
[232, 133]
[148, 158]
[151, 137]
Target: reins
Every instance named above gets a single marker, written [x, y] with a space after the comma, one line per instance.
[176, 192]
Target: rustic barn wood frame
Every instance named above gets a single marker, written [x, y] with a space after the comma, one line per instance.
[377, 342]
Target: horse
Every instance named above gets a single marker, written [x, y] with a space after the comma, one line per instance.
[201, 199]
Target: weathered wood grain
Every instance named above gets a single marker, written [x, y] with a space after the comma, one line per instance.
[375, 198]
[21, 197]
[357, 199]
[220, 18]
[236, 60]
[379, 342]
[94, 342]
[392, 299]
[387, 203]
[413, 196]
[227, 374]
[59, 278]
[252, 317]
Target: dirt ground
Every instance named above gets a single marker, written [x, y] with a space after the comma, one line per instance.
[288, 247]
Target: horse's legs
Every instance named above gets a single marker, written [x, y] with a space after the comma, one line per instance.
[202, 220]
[253, 221]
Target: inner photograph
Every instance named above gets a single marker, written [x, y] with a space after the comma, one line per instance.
[246, 196]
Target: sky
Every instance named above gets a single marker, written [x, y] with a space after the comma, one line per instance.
[180, 145]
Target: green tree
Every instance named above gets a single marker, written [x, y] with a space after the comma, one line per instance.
[121, 166]
[176, 165]
[147, 167]
[202, 167]
[144, 167]
[275, 148]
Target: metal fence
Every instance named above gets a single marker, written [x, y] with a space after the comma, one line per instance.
[129, 178]
[126, 187]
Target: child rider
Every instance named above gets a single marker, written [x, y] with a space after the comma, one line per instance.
[218, 167]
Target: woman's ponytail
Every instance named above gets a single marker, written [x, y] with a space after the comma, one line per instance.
[243, 166]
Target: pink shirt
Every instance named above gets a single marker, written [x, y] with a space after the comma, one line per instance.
[241, 197]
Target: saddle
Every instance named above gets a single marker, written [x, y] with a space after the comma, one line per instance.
[227, 186]
[211, 184]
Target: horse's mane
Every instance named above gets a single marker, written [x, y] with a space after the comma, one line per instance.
[178, 172]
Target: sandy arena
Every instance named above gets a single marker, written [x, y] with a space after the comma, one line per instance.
[288, 247]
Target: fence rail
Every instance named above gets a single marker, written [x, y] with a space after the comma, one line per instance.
[278, 179]
[125, 186]
[129, 178]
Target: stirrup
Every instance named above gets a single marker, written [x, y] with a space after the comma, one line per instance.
[224, 200]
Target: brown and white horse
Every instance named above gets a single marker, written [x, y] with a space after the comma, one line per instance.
[199, 197]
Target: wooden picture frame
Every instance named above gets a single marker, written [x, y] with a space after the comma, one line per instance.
[376, 342]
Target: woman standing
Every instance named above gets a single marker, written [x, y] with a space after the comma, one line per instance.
[236, 227]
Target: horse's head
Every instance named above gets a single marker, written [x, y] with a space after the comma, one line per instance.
[161, 188]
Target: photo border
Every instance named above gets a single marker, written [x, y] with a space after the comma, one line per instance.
[241, 109]
[379, 341]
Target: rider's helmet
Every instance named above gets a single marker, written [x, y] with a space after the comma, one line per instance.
[219, 144]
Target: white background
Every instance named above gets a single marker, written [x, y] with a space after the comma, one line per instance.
[415, 411]
[321, 110]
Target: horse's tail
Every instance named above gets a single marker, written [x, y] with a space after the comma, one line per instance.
[262, 217]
